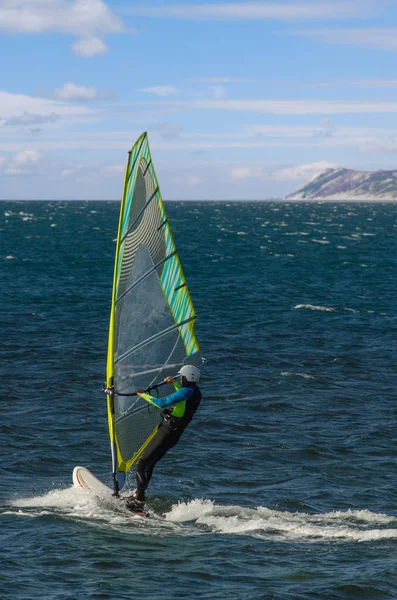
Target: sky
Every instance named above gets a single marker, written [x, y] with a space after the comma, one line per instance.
[241, 100]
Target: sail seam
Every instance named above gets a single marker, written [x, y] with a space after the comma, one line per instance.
[179, 287]
[153, 338]
[138, 281]
[148, 165]
[162, 224]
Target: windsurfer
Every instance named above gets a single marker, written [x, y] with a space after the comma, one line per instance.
[178, 410]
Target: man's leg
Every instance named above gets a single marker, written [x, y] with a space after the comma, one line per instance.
[154, 451]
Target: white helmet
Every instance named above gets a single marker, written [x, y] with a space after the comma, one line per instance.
[192, 374]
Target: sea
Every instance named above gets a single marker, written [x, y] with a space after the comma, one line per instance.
[284, 486]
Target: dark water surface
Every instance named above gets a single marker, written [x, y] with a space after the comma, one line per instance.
[285, 484]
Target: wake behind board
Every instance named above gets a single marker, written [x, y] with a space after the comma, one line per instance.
[83, 478]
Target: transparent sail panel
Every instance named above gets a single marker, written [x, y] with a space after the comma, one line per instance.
[134, 429]
[143, 311]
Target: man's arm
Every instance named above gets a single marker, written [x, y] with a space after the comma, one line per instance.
[181, 395]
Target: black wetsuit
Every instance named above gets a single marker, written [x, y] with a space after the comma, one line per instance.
[186, 401]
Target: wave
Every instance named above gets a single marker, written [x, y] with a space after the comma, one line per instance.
[291, 374]
[200, 516]
[359, 526]
[313, 307]
[324, 308]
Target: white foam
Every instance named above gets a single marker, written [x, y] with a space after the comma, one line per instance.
[189, 511]
[95, 510]
[77, 503]
[359, 526]
[201, 515]
[313, 307]
[266, 523]
[324, 308]
[291, 374]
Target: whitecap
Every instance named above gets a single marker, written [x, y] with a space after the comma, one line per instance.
[265, 523]
[188, 511]
[313, 307]
[291, 374]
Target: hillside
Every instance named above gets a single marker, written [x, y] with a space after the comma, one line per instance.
[347, 184]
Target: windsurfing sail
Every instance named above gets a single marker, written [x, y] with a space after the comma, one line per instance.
[151, 333]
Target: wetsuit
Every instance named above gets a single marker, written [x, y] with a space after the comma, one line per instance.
[183, 404]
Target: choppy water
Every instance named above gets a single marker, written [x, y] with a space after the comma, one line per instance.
[285, 484]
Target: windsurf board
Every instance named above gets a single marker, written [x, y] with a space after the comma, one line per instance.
[83, 478]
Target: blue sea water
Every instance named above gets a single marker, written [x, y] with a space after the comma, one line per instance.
[284, 486]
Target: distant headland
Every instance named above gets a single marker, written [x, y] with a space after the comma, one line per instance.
[348, 184]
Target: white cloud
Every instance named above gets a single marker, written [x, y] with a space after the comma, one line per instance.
[89, 47]
[20, 106]
[293, 173]
[327, 128]
[222, 80]
[71, 91]
[166, 130]
[247, 172]
[219, 91]
[160, 90]
[28, 119]
[113, 139]
[113, 169]
[187, 179]
[307, 171]
[83, 18]
[93, 171]
[282, 11]
[27, 157]
[385, 146]
[368, 83]
[383, 38]
[288, 107]
[78, 17]
[21, 163]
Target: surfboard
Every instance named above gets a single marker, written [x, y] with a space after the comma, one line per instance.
[83, 478]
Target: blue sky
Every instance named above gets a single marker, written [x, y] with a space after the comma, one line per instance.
[241, 100]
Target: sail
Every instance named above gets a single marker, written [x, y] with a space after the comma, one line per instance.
[151, 333]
